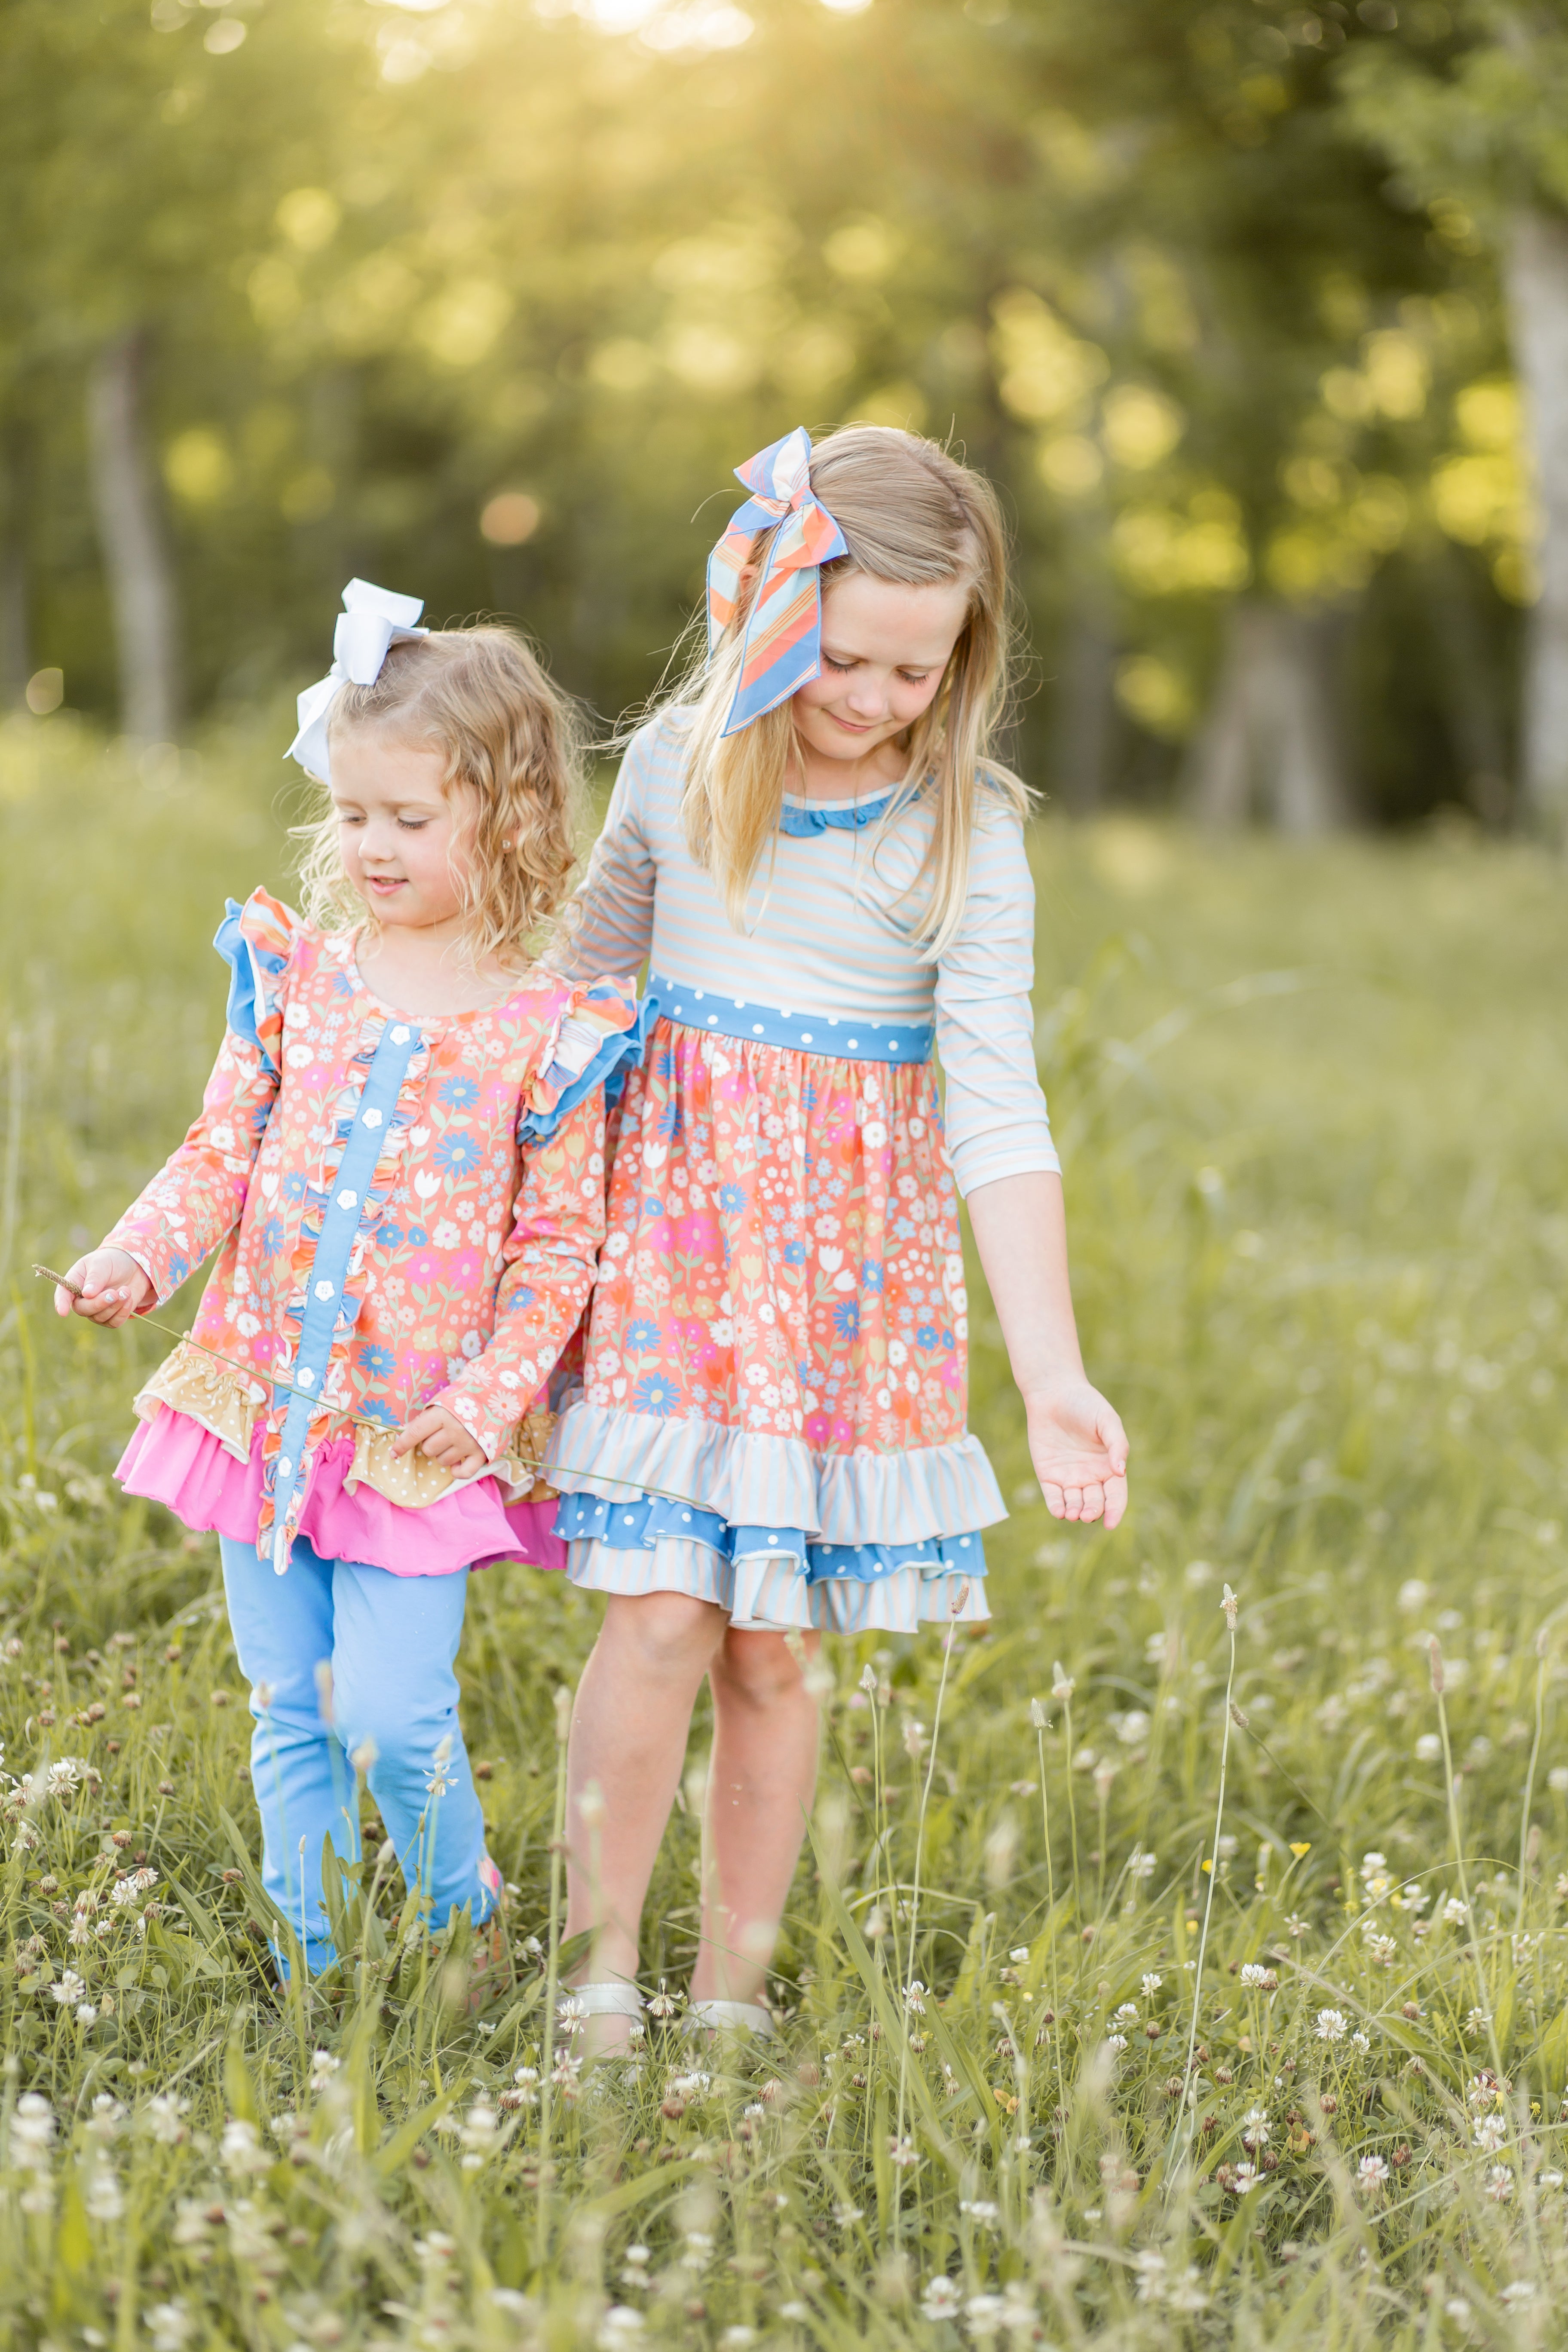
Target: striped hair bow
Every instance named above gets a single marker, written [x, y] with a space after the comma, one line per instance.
[781, 648]
[371, 620]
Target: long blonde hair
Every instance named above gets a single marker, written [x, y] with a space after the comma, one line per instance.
[912, 515]
[513, 740]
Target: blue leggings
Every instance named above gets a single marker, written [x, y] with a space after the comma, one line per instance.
[390, 1642]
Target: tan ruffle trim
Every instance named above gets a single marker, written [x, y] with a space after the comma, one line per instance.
[220, 1400]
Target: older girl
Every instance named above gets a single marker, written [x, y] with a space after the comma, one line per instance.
[816, 848]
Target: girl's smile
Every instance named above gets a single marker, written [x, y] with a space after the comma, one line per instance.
[885, 651]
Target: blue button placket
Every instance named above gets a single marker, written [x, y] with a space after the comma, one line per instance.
[328, 1268]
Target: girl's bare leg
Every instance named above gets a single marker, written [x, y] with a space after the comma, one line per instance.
[760, 1787]
[628, 1738]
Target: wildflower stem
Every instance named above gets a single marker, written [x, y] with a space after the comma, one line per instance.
[1529, 1778]
[552, 1973]
[1450, 1791]
[920, 1852]
[1181, 2138]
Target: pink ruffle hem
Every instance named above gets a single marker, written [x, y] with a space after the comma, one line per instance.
[173, 1460]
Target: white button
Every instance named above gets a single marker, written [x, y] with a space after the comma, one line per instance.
[400, 1035]
[806, 1036]
[347, 1200]
[712, 1021]
[324, 1289]
[285, 1468]
[756, 1028]
[372, 1118]
[853, 1043]
[304, 1376]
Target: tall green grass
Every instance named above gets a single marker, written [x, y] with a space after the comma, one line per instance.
[1134, 2064]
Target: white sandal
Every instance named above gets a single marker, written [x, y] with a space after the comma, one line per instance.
[617, 1998]
[736, 2016]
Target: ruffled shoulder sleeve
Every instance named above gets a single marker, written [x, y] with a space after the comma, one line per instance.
[596, 1037]
[255, 941]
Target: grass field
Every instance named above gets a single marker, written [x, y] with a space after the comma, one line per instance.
[1231, 2003]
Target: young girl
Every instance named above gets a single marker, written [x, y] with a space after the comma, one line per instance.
[400, 1150]
[828, 870]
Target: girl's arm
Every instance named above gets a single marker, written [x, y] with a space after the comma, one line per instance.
[191, 1204]
[198, 1195]
[609, 926]
[1005, 1166]
[1077, 1443]
[550, 1259]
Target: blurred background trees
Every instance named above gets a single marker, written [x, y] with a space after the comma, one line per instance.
[482, 299]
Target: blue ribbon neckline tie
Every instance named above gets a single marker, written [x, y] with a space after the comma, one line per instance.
[803, 819]
[399, 1043]
[834, 1036]
[639, 1523]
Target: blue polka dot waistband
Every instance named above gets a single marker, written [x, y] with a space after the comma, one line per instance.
[838, 1036]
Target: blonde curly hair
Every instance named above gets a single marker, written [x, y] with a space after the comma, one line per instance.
[513, 744]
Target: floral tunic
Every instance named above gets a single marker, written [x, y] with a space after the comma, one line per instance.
[409, 1210]
[773, 1411]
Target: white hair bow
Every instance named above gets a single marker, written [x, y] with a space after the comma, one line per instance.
[372, 619]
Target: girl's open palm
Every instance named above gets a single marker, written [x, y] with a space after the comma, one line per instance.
[1079, 1448]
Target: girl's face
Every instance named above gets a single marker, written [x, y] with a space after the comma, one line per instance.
[402, 834]
[884, 651]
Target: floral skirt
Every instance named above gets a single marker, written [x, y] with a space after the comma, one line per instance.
[772, 1415]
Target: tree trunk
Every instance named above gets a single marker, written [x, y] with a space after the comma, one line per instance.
[16, 636]
[1269, 747]
[1537, 274]
[135, 550]
[1085, 719]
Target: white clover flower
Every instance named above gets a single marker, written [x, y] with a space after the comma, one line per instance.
[941, 2298]
[1247, 2178]
[1428, 1748]
[1332, 2025]
[1500, 2184]
[1259, 1979]
[983, 2313]
[1359, 2041]
[1153, 2272]
[619, 2325]
[1490, 2134]
[1521, 2291]
[1454, 1913]
[1141, 1864]
[1254, 2127]
[1151, 1983]
[165, 2116]
[85, 2013]
[323, 2066]
[240, 2149]
[168, 2325]
[981, 2209]
[68, 1988]
[1371, 2171]
[103, 2200]
[1128, 2014]
[914, 1998]
[1019, 1955]
[32, 2130]
[902, 2152]
[1116, 2041]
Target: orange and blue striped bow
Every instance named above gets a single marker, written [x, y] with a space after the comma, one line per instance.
[782, 643]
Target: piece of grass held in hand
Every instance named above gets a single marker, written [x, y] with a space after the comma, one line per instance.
[248, 1372]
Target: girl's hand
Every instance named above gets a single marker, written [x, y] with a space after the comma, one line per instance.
[113, 1287]
[1079, 1451]
[441, 1437]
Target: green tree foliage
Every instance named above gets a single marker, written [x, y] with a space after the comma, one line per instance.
[484, 301]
